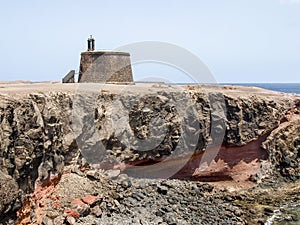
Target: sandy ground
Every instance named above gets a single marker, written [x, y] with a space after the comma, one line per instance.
[31, 87]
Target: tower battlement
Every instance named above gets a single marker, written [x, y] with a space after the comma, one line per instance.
[104, 66]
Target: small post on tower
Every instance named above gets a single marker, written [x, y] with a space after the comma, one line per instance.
[91, 43]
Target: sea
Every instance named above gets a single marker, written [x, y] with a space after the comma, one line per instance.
[281, 87]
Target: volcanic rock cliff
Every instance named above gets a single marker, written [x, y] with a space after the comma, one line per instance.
[51, 132]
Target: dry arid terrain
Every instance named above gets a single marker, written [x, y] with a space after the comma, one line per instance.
[148, 153]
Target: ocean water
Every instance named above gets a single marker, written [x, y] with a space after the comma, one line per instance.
[281, 87]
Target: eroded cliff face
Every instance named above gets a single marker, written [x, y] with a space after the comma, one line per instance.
[202, 133]
[283, 145]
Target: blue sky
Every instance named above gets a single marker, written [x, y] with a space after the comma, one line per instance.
[239, 40]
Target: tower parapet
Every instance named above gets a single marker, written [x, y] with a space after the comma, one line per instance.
[104, 66]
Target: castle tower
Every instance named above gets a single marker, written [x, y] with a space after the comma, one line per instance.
[104, 66]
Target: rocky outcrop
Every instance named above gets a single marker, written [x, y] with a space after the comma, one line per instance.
[283, 145]
[201, 133]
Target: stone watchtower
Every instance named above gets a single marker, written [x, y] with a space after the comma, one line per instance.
[104, 66]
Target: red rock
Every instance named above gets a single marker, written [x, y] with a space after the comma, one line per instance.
[90, 199]
[77, 201]
[56, 200]
[72, 213]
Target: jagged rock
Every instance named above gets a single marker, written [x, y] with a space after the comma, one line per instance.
[283, 145]
[145, 131]
[162, 190]
[9, 192]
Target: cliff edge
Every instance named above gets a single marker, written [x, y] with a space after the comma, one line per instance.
[68, 149]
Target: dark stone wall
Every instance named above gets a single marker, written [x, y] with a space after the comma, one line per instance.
[105, 67]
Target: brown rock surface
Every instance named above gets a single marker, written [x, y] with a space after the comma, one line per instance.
[283, 145]
[203, 133]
